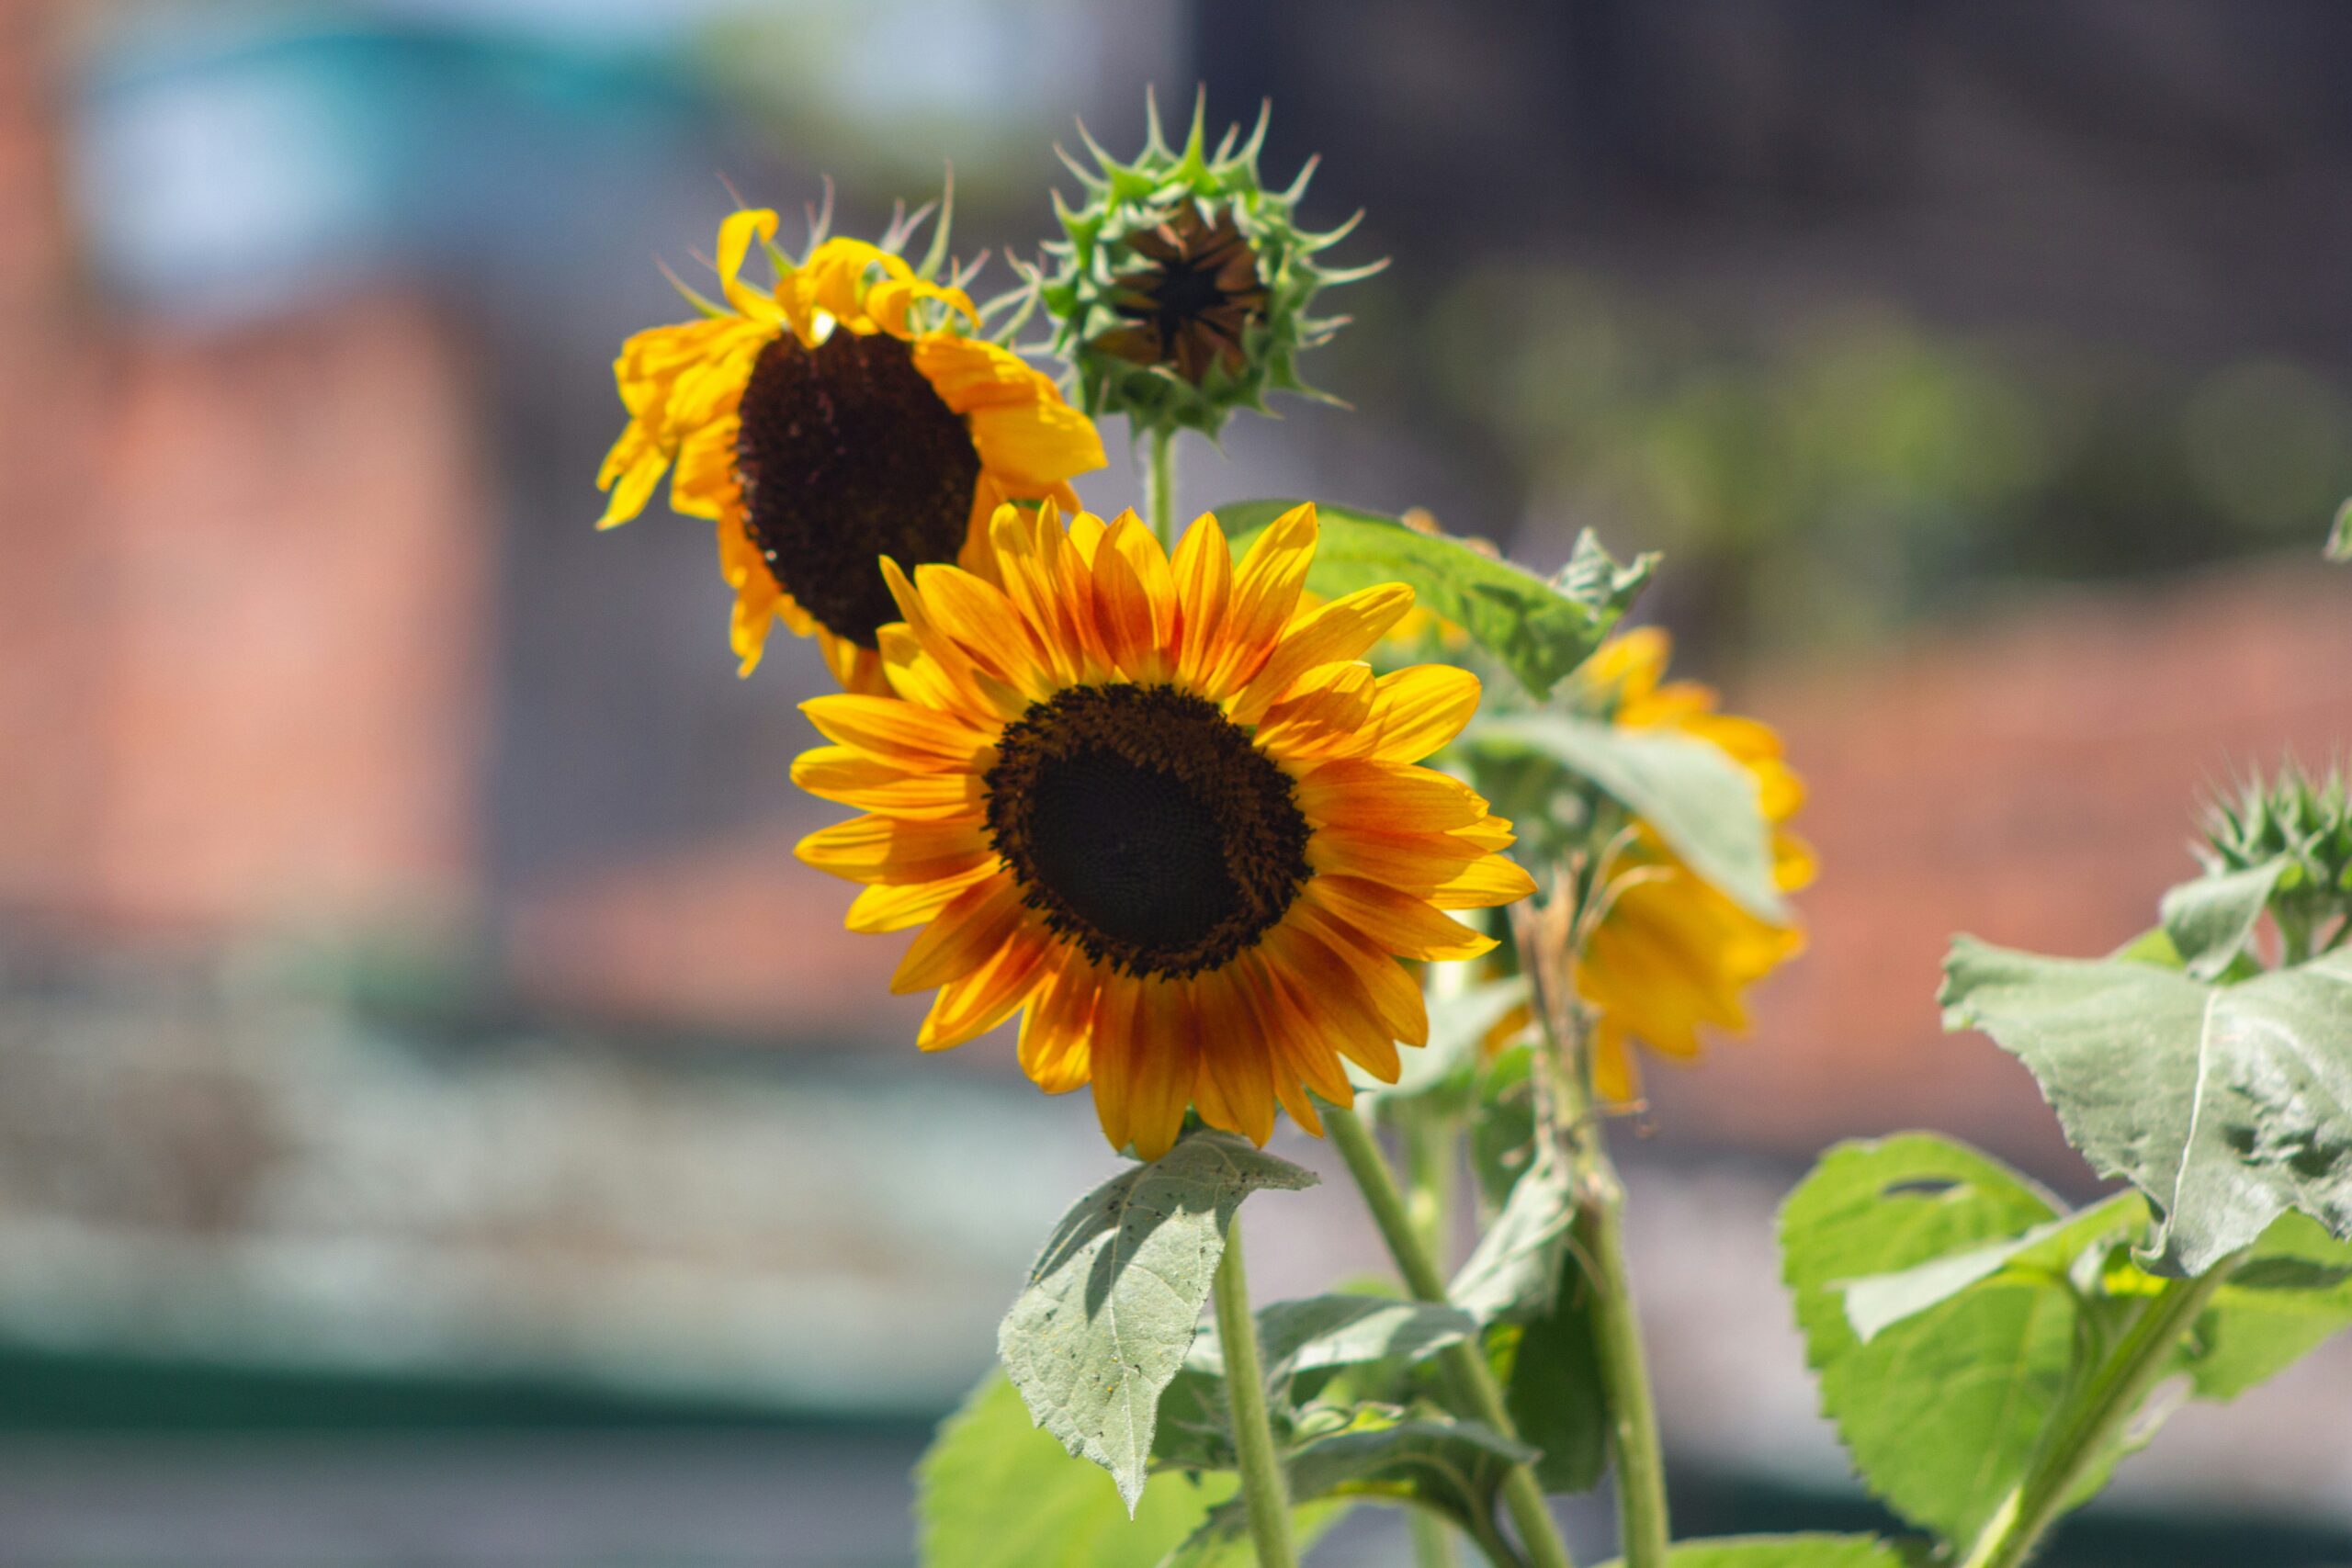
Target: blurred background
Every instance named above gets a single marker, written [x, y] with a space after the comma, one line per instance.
[439, 1121]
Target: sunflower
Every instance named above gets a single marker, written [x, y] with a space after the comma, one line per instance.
[1673, 952]
[1169, 818]
[831, 421]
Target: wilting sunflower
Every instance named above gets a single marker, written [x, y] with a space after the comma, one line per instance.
[834, 419]
[1175, 820]
[1673, 952]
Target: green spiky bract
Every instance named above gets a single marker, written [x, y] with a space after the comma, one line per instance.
[2298, 818]
[1125, 199]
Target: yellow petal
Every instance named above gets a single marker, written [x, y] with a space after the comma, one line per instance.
[967, 934]
[1342, 630]
[883, 849]
[1397, 922]
[896, 731]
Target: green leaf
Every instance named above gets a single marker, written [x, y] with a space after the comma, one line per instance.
[1513, 1274]
[1502, 1129]
[2226, 1105]
[2212, 919]
[1538, 631]
[2292, 1292]
[1598, 581]
[2339, 539]
[1878, 1301]
[994, 1491]
[1340, 1331]
[1456, 1468]
[1942, 1409]
[1550, 1369]
[1113, 1300]
[1704, 804]
[1783, 1551]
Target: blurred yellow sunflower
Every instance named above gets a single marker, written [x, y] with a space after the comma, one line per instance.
[1672, 953]
[1176, 821]
[832, 420]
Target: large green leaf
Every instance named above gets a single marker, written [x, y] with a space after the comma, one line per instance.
[1704, 805]
[2044, 1253]
[1550, 1369]
[1941, 1409]
[1456, 1468]
[994, 1491]
[1537, 630]
[1783, 1551]
[1113, 1300]
[1513, 1274]
[1340, 1331]
[2226, 1105]
[2211, 920]
[2294, 1291]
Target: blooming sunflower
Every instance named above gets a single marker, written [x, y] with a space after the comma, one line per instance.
[1673, 952]
[834, 419]
[1170, 815]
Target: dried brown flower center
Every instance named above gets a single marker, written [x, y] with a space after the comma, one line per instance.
[848, 453]
[1189, 309]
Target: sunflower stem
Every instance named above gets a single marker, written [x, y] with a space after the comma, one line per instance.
[1465, 1364]
[1159, 488]
[1262, 1489]
[2085, 1434]
[1643, 1530]
[1431, 1151]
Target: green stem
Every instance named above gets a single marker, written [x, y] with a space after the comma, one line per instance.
[1644, 1528]
[1429, 1154]
[1159, 488]
[1641, 1521]
[1464, 1363]
[1262, 1488]
[2087, 1431]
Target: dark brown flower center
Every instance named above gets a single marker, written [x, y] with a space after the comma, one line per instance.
[848, 453]
[1189, 309]
[1146, 827]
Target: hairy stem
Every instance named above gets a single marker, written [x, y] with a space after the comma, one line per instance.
[1642, 1521]
[1547, 952]
[2087, 1427]
[1464, 1364]
[1159, 488]
[1432, 1149]
[1262, 1487]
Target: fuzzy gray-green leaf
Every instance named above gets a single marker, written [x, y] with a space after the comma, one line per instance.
[1454, 1468]
[2212, 919]
[2226, 1105]
[1113, 1300]
[1704, 805]
[1340, 1331]
[1514, 1272]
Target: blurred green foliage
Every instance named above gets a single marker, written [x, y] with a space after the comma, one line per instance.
[1821, 480]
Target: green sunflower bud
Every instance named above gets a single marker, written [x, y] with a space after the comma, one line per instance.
[1179, 291]
[2299, 819]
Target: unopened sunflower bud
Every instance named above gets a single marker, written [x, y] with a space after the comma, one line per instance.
[1179, 291]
